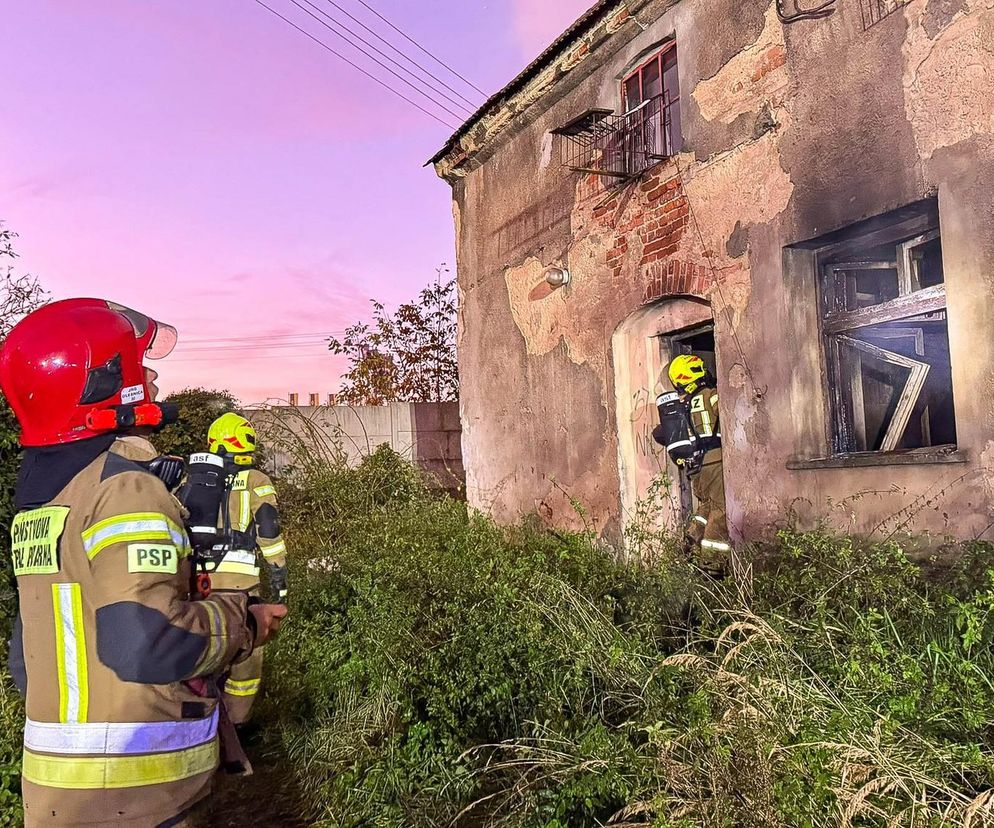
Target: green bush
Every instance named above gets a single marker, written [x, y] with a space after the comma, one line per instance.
[422, 631]
[199, 407]
[11, 709]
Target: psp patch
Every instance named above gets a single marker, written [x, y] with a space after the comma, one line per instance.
[34, 540]
[153, 557]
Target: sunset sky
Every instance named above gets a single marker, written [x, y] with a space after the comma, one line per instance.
[202, 161]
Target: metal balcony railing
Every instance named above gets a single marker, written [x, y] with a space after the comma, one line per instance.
[621, 146]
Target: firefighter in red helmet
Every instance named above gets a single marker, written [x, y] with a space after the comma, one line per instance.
[111, 653]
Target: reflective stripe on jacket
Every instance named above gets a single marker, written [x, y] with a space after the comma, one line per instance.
[253, 513]
[107, 636]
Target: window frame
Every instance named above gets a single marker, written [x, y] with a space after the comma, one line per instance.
[837, 324]
[671, 143]
[657, 57]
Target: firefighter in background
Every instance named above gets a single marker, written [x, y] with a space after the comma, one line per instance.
[251, 521]
[108, 648]
[690, 429]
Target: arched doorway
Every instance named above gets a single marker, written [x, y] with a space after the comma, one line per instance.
[642, 346]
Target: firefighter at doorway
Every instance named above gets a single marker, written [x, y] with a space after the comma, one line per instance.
[252, 521]
[690, 429]
[115, 659]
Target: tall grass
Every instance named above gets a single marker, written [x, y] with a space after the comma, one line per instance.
[441, 670]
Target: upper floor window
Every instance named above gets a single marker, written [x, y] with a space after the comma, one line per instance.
[653, 91]
[883, 305]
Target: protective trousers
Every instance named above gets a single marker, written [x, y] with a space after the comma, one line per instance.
[242, 687]
[708, 525]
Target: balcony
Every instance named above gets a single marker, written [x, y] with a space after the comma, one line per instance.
[621, 146]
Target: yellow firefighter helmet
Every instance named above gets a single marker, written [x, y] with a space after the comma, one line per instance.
[686, 372]
[232, 434]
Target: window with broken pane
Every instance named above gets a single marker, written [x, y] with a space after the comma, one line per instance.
[886, 336]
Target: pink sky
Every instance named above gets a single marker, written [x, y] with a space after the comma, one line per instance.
[210, 166]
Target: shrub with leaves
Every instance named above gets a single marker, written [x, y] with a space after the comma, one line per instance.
[198, 407]
[441, 670]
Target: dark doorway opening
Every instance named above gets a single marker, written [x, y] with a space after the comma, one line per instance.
[700, 342]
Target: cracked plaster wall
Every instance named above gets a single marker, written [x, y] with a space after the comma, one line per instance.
[790, 132]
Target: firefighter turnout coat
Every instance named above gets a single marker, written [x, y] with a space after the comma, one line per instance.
[253, 518]
[108, 649]
[708, 525]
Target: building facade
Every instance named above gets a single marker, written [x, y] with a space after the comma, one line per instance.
[802, 195]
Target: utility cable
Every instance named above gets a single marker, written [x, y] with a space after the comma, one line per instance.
[299, 346]
[375, 60]
[355, 66]
[422, 48]
[414, 63]
[709, 255]
[230, 340]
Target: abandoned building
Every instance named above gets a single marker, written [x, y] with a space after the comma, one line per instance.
[803, 195]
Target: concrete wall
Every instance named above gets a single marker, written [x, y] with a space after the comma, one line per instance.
[427, 434]
[791, 131]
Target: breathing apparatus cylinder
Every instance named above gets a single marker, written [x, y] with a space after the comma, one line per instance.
[673, 431]
[204, 494]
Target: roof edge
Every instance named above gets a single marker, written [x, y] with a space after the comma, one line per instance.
[600, 11]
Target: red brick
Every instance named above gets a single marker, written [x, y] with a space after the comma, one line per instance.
[653, 246]
[772, 60]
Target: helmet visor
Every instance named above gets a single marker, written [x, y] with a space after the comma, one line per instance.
[157, 338]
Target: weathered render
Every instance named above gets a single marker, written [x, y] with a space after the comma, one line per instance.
[790, 131]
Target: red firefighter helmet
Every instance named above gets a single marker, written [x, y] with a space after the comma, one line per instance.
[73, 369]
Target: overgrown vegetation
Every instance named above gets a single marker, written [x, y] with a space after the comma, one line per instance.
[19, 294]
[199, 407]
[407, 356]
[441, 670]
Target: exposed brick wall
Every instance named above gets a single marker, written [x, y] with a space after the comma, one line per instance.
[676, 278]
[649, 222]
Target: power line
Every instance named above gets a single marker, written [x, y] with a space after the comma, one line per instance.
[469, 106]
[375, 60]
[224, 340]
[355, 66]
[404, 55]
[260, 347]
[246, 357]
[378, 62]
[422, 48]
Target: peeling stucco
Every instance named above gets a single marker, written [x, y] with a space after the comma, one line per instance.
[791, 132]
[942, 76]
[755, 76]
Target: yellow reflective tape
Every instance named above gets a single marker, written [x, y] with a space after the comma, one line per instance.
[128, 518]
[249, 687]
[60, 653]
[34, 540]
[218, 630]
[213, 651]
[272, 551]
[82, 671]
[127, 537]
[245, 510]
[265, 491]
[94, 773]
[238, 569]
[70, 653]
[134, 526]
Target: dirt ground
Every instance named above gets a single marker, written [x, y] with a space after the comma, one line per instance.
[267, 798]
